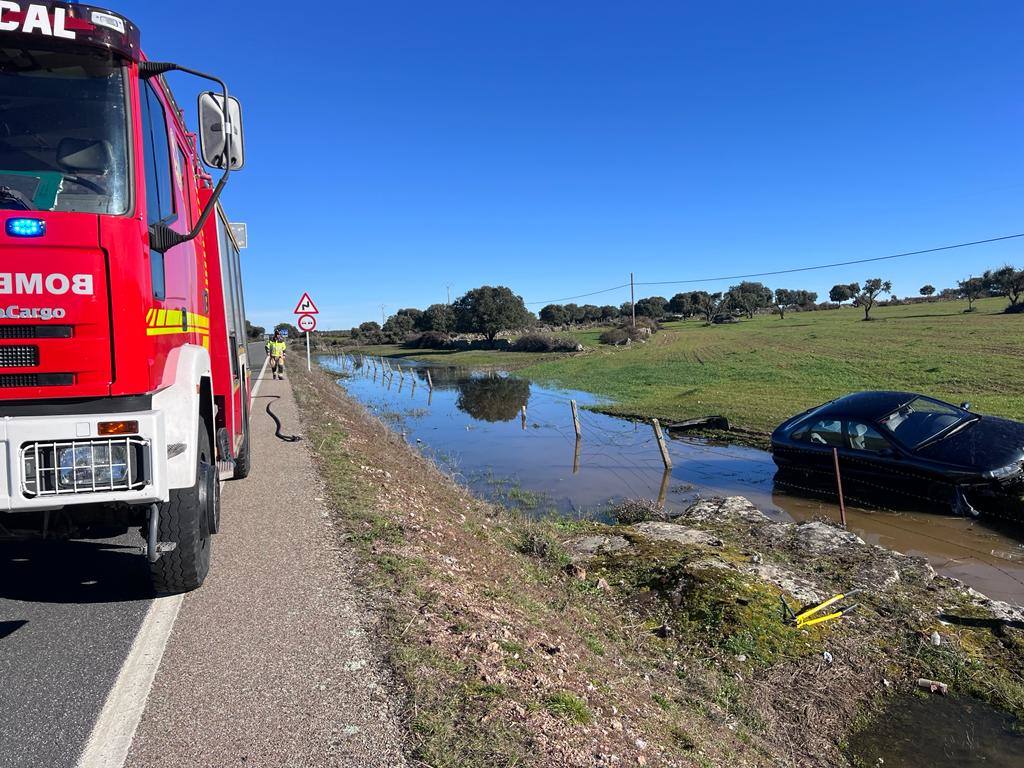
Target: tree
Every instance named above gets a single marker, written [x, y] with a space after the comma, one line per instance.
[972, 289]
[490, 310]
[254, 332]
[590, 313]
[927, 290]
[681, 304]
[784, 299]
[437, 317]
[608, 312]
[841, 293]
[572, 313]
[652, 306]
[1006, 281]
[709, 304]
[750, 297]
[287, 329]
[873, 288]
[554, 314]
[398, 327]
[493, 398]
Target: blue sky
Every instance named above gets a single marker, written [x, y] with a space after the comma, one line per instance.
[394, 148]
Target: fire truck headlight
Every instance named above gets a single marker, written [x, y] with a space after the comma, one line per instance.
[88, 466]
[25, 227]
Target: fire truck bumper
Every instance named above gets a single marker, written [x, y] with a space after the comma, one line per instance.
[51, 462]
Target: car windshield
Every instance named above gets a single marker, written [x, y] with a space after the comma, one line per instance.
[63, 131]
[922, 420]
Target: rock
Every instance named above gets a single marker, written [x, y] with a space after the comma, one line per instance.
[820, 538]
[603, 585]
[583, 547]
[664, 631]
[783, 578]
[674, 532]
[722, 509]
[638, 510]
[936, 639]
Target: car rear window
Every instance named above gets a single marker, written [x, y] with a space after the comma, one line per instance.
[820, 432]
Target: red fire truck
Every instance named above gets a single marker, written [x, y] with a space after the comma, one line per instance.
[124, 381]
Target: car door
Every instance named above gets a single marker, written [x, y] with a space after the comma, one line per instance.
[814, 441]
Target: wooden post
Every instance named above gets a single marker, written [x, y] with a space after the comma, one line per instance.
[576, 457]
[839, 487]
[400, 376]
[576, 419]
[430, 381]
[524, 417]
[632, 299]
[663, 491]
[666, 459]
[413, 386]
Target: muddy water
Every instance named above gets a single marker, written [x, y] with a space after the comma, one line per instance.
[472, 424]
[939, 732]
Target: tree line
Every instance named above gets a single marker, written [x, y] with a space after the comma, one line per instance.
[489, 310]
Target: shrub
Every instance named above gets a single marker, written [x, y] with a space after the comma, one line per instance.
[626, 333]
[542, 342]
[429, 340]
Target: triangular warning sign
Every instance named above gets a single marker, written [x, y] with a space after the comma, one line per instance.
[306, 306]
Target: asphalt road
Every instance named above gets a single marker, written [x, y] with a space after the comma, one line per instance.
[69, 612]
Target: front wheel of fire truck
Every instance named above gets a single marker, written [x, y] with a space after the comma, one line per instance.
[185, 522]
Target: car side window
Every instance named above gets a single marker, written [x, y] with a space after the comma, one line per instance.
[821, 432]
[863, 437]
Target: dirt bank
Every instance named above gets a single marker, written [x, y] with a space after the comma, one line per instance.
[658, 643]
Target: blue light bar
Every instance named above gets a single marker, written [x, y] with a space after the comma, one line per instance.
[26, 227]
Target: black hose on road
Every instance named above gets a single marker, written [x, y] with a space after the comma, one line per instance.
[277, 421]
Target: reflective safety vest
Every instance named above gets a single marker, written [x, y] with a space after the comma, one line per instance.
[276, 348]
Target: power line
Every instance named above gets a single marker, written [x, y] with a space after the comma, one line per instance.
[580, 296]
[837, 263]
[787, 271]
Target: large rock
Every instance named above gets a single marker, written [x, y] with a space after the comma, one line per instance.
[656, 530]
[584, 547]
[821, 538]
[718, 510]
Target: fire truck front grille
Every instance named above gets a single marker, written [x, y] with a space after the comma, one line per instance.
[19, 356]
[14, 380]
[35, 332]
[58, 468]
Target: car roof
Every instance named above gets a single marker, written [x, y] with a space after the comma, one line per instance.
[867, 405]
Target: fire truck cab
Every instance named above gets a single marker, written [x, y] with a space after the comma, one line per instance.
[124, 380]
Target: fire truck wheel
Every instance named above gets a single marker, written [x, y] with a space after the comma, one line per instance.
[243, 460]
[187, 520]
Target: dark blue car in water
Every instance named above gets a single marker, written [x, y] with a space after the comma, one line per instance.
[902, 450]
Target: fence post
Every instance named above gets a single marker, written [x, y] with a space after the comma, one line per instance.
[576, 457]
[576, 419]
[665, 458]
[663, 490]
[430, 381]
[839, 487]
[524, 417]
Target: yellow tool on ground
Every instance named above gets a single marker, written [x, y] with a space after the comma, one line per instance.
[804, 618]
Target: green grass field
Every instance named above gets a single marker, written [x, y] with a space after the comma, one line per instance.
[759, 372]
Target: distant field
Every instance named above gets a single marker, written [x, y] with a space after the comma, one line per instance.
[758, 372]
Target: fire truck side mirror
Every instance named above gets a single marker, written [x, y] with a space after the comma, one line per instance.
[220, 135]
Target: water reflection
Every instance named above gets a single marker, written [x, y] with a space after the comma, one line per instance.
[493, 398]
[471, 422]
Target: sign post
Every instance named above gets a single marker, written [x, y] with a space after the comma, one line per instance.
[305, 309]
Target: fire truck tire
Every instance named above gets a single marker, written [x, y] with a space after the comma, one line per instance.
[243, 461]
[186, 521]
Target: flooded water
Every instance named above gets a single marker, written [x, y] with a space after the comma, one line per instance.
[939, 732]
[472, 423]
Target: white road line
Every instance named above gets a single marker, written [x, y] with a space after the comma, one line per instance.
[112, 735]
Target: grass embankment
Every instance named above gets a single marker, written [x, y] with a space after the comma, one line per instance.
[759, 372]
[660, 652]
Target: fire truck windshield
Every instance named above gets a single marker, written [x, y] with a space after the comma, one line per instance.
[63, 131]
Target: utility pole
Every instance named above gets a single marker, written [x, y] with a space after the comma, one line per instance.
[632, 299]
[449, 287]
